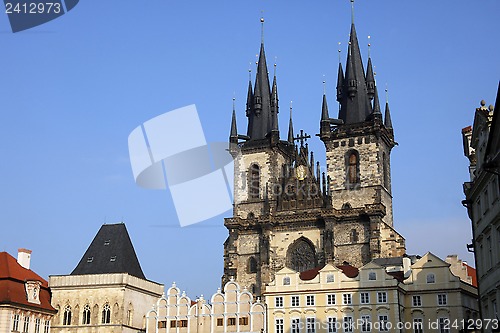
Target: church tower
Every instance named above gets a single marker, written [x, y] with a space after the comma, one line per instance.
[289, 213]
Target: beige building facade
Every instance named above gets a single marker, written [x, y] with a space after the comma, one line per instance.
[406, 295]
[107, 292]
[231, 310]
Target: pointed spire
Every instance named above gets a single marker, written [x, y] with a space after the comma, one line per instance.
[355, 103]
[274, 103]
[340, 83]
[234, 131]
[370, 80]
[387, 120]
[249, 109]
[376, 105]
[262, 99]
[290, 127]
[324, 110]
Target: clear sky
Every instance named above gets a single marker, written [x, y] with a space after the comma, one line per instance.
[73, 89]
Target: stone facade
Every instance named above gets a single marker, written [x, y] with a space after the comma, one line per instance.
[289, 214]
[102, 302]
[482, 148]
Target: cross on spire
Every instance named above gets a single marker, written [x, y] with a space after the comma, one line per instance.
[302, 137]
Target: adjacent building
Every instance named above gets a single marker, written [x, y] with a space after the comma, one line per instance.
[385, 295]
[107, 291]
[482, 198]
[25, 300]
[232, 310]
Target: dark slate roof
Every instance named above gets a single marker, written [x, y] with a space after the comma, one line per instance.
[391, 261]
[111, 251]
[493, 147]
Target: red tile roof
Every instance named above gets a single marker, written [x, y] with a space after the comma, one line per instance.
[12, 289]
[349, 271]
[310, 274]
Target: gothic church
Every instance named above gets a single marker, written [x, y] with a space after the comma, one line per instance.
[289, 214]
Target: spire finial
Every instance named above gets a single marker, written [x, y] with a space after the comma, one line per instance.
[324, 85]
[339, 53]
[234, 100]
[352, 11]
[386, 94]
[262, 27]
[250, 72]
[275, 60]
[369, 46]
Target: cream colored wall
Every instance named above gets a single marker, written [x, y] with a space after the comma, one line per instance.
[120, 291]
[6, 321]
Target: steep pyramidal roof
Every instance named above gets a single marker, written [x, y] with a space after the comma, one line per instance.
[352, 93]
[111, 251]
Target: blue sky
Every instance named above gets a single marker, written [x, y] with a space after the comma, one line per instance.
[73, 89]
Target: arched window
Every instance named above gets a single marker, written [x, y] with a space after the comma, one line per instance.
[86, 315]
[67, 315]
[286, 281]
[254, 182]
[352, 162]
[301, 255]
[354, 236]
[252, 265]
[106, 314]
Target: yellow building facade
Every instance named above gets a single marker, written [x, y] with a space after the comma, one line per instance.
[405, 295]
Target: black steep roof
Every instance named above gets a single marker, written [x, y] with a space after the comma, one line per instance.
[111, 251]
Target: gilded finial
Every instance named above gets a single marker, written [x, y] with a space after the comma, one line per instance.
[386, 94]
[352, 11]
[262, 27]
[275, 60]
[324, 85]
[339, 53]
[234, 100]
[369, 46]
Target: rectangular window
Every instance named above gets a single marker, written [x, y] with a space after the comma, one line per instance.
[279, 325]
[295, 328]
[231, 321]
[244, 321]
[26, 326]
[444, 325]
[494, 189]
[183, 323]
[364, 298]
[310, 300]
[442, 299]
[486, 200]
[37, 325]
[383, 320]
[311, 325]
[173, 324]
[332, 325]
[163, 324]
[220, 321]
[372, 276]
[15, 323]
[330, 278]
[418, 325]
[366, 325]
[382, 297]
[330, 299]
[417, 300]
[490, 252]
[46, 327]
[295, 301]
[278, 301]
[346, 299]
[348, 325]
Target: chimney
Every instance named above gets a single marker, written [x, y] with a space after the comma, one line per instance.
[24, 258]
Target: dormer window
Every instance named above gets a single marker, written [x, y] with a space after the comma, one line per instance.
[90, 259]
[106, 242]
[33, 291]
[113, 258]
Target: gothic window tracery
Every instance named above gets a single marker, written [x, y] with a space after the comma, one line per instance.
[254, 181]
[86, 315]
[301, 255]
[106, 314]
[67, 315]
[352, 176]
